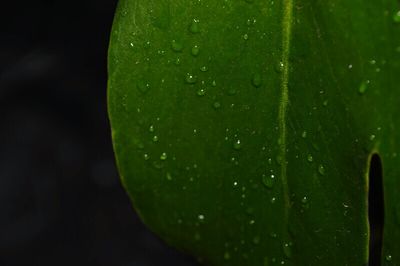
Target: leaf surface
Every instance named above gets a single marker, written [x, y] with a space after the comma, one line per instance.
[243, 130]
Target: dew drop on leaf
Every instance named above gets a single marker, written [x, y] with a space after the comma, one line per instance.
[256, 80]
[203, 69]
[169, 176]
[256, 240]
[279, 67]
[195, 50]
[287, 250]
[201, 92]
[143, 86]
[227, 255]
[177, 61]
[268, 181]
[216, 105]
[304, 200]
[396, 17]
[163, 156]
[176, 46]
[321, 169]
[194, 26]
[157, 164]
[363, 87]
[237, 145]
[190, 78]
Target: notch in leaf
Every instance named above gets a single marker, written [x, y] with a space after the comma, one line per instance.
[375, 210]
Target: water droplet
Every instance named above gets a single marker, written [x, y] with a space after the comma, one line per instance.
[256, 80]
[227, 256]
[146, 156]
[194, 26]
[176, 46]
[216, 105]
[245, 36]
[151, 128]
[237, 145]
[163, 156]
[177, 61]
[201, 92]
[287, 250]
[251, 22]
[279, 67]
[256, 240]
[363, 87]
[310, 158]
[273, 200]
[155, 138]
[158, 164]
[203, 69]
[321, 169]
[396, 17]
[190, 78]
[214, 83]
[304, 134]
[268, 181]
[201, 217]
[169, 176]
[140, 145]
[143, 86]
[195, 50]
[388, 258]
[304, 200]
[325, 103]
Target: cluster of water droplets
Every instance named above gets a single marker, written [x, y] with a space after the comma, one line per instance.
[268, 179]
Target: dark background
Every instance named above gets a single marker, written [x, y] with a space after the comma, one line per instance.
[61, 202]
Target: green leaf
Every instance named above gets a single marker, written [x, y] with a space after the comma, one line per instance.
[243, 130]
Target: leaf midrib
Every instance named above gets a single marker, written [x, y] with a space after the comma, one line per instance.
[286, 38]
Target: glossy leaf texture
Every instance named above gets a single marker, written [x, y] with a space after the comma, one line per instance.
[243, 130]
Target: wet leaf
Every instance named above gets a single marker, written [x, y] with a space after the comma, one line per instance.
[244, 130]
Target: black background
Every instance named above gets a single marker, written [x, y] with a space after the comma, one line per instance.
[61, 202]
